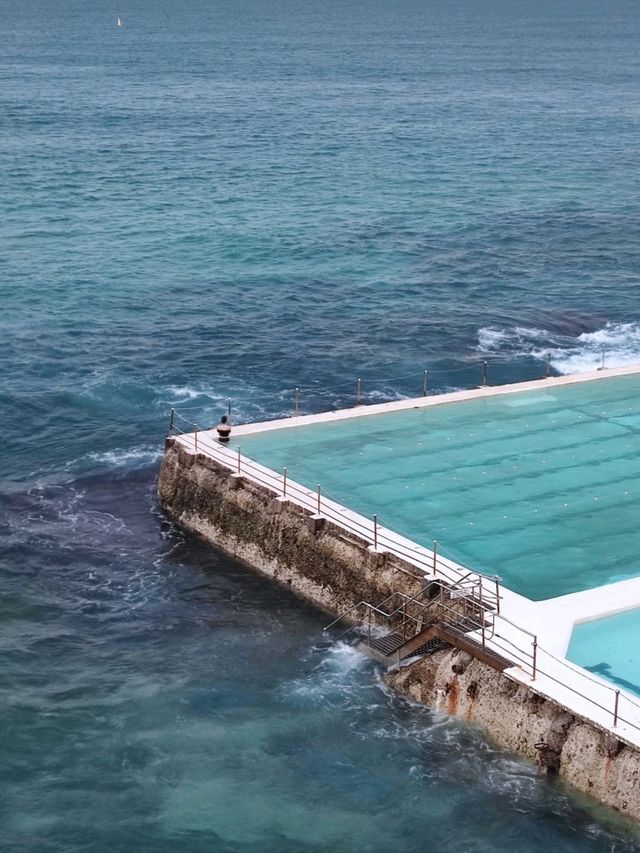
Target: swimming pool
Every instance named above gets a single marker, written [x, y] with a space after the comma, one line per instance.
[541, 487]
[609, 647]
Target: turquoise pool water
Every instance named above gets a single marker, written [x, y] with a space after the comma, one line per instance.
[609, 647]
[540, 487]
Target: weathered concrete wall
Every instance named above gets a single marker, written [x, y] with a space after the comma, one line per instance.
[331, 568]
[336, 570]
[523, 721]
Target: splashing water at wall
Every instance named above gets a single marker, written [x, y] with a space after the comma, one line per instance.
[617, 343]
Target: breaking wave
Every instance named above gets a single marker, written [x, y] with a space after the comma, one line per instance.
[615, 344]
[140, 456]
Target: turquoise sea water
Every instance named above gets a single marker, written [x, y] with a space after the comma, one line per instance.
[540, 488]
[231, 200]
[609, 647]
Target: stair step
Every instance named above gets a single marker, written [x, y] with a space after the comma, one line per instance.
[476, 648]
[388, 644]
[430, 647]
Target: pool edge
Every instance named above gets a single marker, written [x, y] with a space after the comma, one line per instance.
[482, 392]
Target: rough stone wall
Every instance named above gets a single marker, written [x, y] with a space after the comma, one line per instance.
[335, 570]
[319, 560]
[525, 722]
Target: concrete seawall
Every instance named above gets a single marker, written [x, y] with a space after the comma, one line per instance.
[519, 719]
[330, 567]
[336, 570]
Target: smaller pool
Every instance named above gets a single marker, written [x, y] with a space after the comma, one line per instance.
[609, 648]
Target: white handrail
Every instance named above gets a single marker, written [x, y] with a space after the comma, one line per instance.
[519, 652]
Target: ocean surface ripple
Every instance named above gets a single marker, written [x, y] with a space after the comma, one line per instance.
[228, 201]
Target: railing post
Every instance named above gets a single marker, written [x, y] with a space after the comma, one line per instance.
[496, 578]
[375, 532]
[548, 365]
[358, 392]
[238, 460]
[173, 411]
[318, 487]
[535, 658]
[297, 401]
[435, 557]
[604, 352]
[369, 626]
[615, 709]
[284, 483]
[195, 437]
[229, 409]
[484, 374]
[425, 384]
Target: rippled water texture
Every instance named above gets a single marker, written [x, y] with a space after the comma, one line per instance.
[233, 200]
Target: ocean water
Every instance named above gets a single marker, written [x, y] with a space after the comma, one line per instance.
[228, 201]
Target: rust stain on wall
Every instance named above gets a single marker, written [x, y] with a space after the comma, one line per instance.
[452, 696]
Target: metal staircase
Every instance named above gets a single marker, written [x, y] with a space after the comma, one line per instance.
[440, 615]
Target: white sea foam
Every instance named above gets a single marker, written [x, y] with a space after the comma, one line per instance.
[490, 340]
[618, 343]
[176, 395]
[123, 458]
[183, 392]
[206, 406]
[332, 678]
[342, 658]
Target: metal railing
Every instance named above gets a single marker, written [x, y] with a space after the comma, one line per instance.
[455, 607]
[357, 386]
[523, 649]
[485, 628]
[512, 641]
[400, 612]
[354, 390]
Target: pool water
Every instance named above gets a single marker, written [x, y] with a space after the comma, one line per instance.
[541, 487]
[609, 647]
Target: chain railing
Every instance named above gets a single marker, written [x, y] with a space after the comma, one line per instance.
[421, 382]
[514, 642]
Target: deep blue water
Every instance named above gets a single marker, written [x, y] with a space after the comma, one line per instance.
[228, 200]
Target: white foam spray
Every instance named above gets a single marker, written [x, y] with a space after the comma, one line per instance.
[618, 343]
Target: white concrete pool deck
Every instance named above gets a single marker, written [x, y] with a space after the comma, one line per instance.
[434, 400]
[521, 619]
